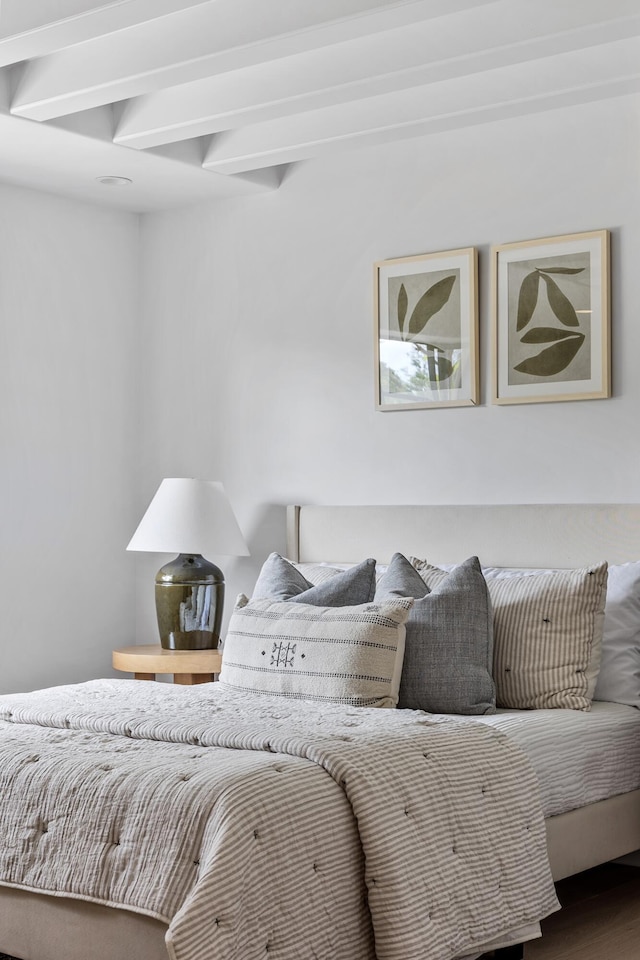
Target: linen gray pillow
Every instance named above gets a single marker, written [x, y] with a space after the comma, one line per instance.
[449, 643]
[280, 580]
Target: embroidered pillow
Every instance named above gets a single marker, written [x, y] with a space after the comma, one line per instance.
[350, 654]
[280, 579]
[547, 635]
[448, 648]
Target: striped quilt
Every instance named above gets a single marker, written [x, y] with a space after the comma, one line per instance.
[260, 825]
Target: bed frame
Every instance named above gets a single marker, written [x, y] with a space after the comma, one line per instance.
[38, 927]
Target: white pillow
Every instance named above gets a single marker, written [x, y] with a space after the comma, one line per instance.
[350, 655]
[619, 677]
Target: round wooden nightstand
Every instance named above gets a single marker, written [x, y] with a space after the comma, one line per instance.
[187, 666]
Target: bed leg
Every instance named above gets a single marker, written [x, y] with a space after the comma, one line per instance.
[514, 952]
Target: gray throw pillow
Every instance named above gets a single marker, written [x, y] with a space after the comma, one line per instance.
[280, 580]
[449, 643]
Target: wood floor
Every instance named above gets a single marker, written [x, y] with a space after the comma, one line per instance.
[599, 920]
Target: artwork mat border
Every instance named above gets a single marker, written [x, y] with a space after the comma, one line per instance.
[471, 321]
[603, 334]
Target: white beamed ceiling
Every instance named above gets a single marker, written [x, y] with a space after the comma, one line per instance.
[205, 99]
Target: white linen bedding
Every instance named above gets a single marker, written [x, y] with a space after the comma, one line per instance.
[242, 823]
[579, 758]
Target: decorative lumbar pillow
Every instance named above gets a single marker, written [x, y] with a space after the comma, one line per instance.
[350, 654]
[448, 648]
[547, 637]
[279, 579]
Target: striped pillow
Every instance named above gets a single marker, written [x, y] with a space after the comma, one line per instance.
[350, 655]
[593, 670]
[547, 636]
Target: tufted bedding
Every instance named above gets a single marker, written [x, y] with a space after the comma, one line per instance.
[262, 827]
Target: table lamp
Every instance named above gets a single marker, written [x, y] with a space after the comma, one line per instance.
[190, 518]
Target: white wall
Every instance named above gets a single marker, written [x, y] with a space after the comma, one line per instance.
[257, 329]
[68, 309]
[249, 358]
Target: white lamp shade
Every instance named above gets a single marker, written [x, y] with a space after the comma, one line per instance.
[189, 516]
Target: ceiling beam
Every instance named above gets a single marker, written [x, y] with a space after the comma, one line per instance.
[27, 30]
[210, 38]
[596, 73]
[16, 16]
[423, 53]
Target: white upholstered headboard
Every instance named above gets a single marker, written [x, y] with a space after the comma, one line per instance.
[523, 535]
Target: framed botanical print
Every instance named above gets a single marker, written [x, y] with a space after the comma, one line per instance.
[426, 331]
[551, 319]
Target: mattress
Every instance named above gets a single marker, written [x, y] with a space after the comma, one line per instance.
[579, 758]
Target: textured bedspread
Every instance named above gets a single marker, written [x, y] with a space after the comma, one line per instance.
[264, 827]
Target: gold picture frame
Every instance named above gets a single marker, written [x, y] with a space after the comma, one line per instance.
[426, 330]
[551, 319]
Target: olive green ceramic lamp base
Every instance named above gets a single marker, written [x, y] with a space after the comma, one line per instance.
[189, 602]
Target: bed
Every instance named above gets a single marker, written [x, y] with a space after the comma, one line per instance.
[34, 926]
[518, 535]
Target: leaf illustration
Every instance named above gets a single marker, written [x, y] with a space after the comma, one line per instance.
[440, 367]
[402, 307]
[562, 270]
[429, 304]
[554, 359]
[561, 305]
[527, 299]
[546, 335]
